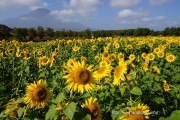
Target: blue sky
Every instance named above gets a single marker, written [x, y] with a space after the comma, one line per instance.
[102, 14]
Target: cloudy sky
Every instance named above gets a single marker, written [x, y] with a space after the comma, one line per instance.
[102, 14]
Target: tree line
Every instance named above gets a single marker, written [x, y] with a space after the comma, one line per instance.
[41, 34]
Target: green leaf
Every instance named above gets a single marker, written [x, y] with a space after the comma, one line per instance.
[42, 75]
[21, 111]
[51, 112]
[122, 90]
[159, 100]
[1, 114]
[60, 97]
[87, 117]
[136, 91]
[70, 110]
[175, 115]
[162, 118]
[27, 69]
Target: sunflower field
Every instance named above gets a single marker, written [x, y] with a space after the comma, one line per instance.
[122, 78]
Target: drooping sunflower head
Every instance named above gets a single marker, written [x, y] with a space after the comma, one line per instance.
[60, 107]
[166, 86]
[27, 55]
[15, 106]
[92, 105]
[119, 72]
[80, 77]
[37, 95]
[140, 112]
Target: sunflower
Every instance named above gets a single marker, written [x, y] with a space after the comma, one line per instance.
[102, 72]
[116, 45]
[112, 56]
[160, 54]
[166, 86]
[132, 57]
[43, 61]
[64, 117]
[60, 107]
[76, 48]
[80, 77]
[170, 58]
[13, 105]
[94, 47]
[155, 70]
[150, 57]
[37, 95]
[1, 54]
[119, 72]
[145, 66]
[106, 49]
[156, 50]
[18, 53]
[129, 47]
[104, 55]
[144, 55]
[26, 55]
[140, 112]
[92, 105]
[120, 56]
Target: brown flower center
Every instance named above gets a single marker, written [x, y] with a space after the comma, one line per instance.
[44, 60]
[82, 76]
[94, 111]
[39, 93]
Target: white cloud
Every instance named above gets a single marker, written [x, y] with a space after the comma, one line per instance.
[159, 18]
[127, 13]
[124, 2]
[63, 15]
[158, 2]
[33, 4]
[85, 8]
[129, 22]
[146, 19]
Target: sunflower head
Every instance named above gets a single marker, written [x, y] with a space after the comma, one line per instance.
[140, 112]
[60, 107]
[170, 58]
[132, 57]
[13, 104]
[37, 95]
[27, 55]
[76, 48]
[144, 55]
[160, 54]
[80, 77]
[119, 72]
[150, 57]
[44, 61]
[102, 72]
[92, 105]
[166, 86]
